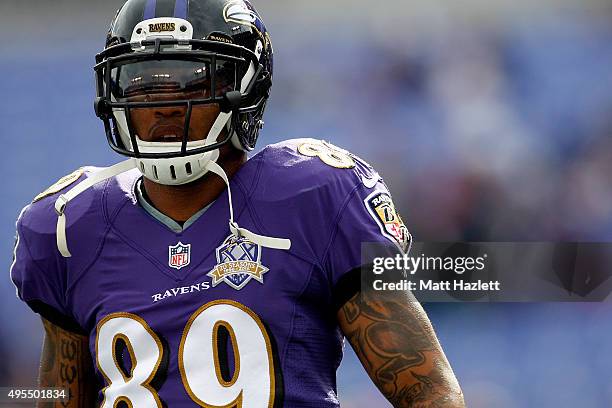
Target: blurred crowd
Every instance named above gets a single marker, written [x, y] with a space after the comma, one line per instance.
[491, 127]
[483, 133]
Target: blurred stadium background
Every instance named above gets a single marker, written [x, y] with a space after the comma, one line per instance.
[490, 120]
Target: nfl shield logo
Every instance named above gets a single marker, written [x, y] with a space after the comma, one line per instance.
[179, 255]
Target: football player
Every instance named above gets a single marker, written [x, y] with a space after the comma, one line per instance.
[188, 275]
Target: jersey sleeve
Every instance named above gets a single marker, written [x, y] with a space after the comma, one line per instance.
[329, 202]
[37, 271]
[369, 217]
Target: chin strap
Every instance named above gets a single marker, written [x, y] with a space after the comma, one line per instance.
[63, 200]
[265, 241]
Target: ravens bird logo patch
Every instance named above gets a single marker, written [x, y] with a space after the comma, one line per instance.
[381, 208]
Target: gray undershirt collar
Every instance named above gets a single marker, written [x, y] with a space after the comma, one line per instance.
[164, 219]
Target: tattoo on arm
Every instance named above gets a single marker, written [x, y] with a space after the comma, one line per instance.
[66, 363]
[398, 348]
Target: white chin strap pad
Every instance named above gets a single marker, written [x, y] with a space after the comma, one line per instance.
[177, 171]
[265, 241]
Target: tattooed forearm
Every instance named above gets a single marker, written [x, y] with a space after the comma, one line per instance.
[66, 363]
[396, 344]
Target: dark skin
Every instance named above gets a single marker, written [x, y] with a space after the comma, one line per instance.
[397, 346]
[66, 363]
[166, 124]
[392, 336]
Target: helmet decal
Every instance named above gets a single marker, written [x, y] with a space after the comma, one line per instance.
[238, 12]
[242, 12]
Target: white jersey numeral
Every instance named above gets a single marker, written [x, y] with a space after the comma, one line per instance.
[253, 379]
[146, 354]
[252, 384]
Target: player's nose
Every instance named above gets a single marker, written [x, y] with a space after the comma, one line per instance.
[169, 112]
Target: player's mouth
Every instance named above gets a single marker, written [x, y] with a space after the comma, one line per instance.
[166, 133]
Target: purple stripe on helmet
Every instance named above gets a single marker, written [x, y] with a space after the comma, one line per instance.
[180, 9]
[149, 11]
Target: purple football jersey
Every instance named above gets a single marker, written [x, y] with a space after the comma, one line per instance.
[202, 318]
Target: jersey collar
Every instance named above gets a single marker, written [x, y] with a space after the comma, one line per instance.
[163, 218]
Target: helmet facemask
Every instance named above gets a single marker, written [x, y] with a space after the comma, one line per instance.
[171, 71]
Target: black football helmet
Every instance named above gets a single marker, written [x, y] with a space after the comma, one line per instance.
[202, 51]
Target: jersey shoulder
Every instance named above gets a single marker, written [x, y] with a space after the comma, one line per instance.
[38, 221]
[38, 271]
[306, 188]
[39, 216]
[305, 164]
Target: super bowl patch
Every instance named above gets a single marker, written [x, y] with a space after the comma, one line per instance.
[381, 208]
[61, 184]
[238, 261]
[179, 255]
